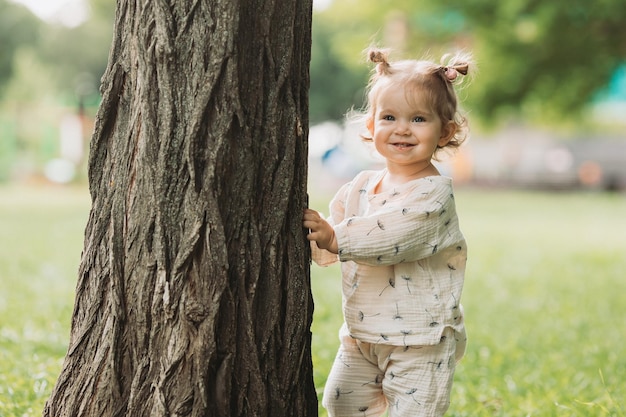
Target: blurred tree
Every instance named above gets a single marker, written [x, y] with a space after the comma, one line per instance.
[102, 10]
[411, 28]
[543, 59]
[193, 295]
[18, 27]
[77, 55]
[537, 59]
[334, 86]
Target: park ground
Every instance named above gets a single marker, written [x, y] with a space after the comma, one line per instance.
[543, 300]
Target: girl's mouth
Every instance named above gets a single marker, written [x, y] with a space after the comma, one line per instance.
[403, 145]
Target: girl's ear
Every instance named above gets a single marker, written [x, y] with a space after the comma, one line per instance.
[447, 133]
[370, 125]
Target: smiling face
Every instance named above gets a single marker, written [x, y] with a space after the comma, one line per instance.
[407, 132]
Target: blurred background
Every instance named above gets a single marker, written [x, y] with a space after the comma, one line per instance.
[540, 186]
[52, 56]
[547, 107]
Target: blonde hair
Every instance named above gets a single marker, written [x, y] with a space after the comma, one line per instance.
[421, 77]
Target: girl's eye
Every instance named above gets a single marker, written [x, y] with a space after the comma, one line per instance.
[418, 119]
[388, 117]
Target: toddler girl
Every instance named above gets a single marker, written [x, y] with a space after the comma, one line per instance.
[403, 256]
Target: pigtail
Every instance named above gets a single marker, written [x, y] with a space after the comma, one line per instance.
[381, 58]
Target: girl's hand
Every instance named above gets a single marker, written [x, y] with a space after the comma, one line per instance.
[320, 231]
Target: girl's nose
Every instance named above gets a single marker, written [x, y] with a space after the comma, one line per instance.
[402, 127]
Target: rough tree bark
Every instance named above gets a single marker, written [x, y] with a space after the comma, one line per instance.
[193, 294]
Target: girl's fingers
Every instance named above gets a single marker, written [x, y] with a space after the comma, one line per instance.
[311, 220]
[310, 215]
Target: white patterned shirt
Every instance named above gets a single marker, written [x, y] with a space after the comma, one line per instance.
[403, 259]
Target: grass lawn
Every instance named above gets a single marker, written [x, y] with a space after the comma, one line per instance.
[544, 301]
[41, 237]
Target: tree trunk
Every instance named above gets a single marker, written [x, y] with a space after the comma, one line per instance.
[193, 295]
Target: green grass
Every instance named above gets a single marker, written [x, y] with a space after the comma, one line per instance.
[543, 300]
[41, 236]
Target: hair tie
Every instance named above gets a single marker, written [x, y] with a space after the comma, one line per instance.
[450, 73]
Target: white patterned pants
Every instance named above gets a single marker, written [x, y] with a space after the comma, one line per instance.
[409, 381]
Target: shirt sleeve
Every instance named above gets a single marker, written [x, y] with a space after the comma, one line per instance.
[423, 224]
[322, 257]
